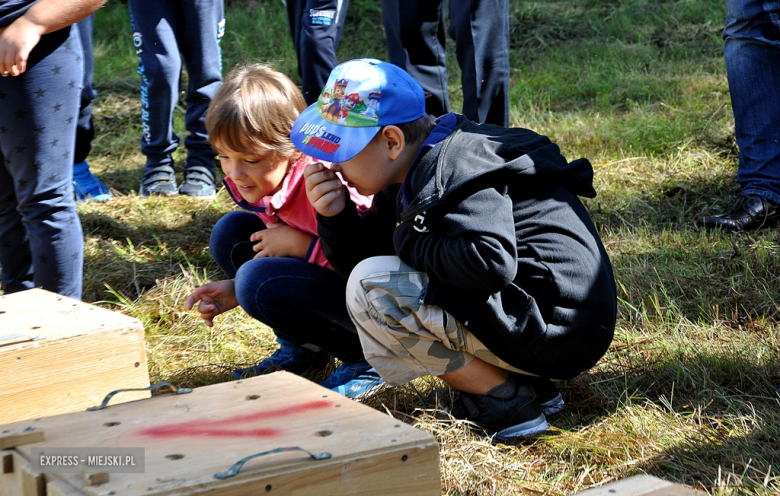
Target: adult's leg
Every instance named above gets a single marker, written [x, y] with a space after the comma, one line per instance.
[302, 302]
[159, 65]
[199, 33]
[415, 40]
[41, 243]
[752, 52]
[480, 29]
[316, 27]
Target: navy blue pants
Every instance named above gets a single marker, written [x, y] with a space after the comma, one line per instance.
[167, 33]
[302, 302]
[416, 40]
[85, 130]
[315, 27]
[41, 243]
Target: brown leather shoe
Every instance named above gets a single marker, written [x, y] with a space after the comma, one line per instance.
[752, 212]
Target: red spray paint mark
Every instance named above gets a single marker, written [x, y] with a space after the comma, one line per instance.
[212, 428]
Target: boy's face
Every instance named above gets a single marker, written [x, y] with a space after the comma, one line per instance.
[256, 173]
[370, 171]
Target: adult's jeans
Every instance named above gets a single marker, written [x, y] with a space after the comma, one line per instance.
[302, 302]
[752, 51]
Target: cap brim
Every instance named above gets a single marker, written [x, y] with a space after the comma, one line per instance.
[327, 141]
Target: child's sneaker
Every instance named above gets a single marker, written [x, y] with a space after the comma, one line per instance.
[159, 181]
[86, 186]
[510, 409]
[547, 394]
[289, 357]
[199, 181]
[354, 380]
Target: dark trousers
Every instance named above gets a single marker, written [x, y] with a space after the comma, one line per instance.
[302, 302]
[41, 243]
[416, 40]
[315, 27]
[85, 131]
[167, 33]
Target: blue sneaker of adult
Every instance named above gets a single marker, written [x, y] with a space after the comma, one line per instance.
[354, 380]
[86, 186]
[289, 357]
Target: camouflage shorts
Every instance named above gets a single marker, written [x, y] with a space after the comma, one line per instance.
[402, 337]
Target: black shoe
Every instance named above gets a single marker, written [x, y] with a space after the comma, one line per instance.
[159, 181]
[547, 394]
[510, 409]
[199, 181]
[752, 212]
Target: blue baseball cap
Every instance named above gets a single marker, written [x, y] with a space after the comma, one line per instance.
[347, 115]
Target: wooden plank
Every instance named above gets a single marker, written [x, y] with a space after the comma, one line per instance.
[13, 438]
[61, 355]
[641, 485]
[188, 438]
[19, 481]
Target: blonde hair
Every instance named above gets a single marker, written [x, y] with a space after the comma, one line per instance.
[255, 108]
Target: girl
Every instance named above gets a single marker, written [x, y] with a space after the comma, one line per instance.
[270, 251]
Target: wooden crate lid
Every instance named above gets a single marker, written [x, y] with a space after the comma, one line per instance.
[188, 438]
[37, 313]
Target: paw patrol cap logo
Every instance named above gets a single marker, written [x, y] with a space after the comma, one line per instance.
[360, 97]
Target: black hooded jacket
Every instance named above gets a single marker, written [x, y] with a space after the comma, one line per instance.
[494, 220]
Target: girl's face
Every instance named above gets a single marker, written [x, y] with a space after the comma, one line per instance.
[256, 173]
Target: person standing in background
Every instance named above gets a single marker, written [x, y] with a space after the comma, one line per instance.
[752, 51]
[315, 27]
[85, 185]
[41, 242]
[416, 42]
[165, 34]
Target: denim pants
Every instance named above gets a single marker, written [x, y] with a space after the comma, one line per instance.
[167, 33]
[302, 302]
[41, 244]
[752, 51]
[416, 42]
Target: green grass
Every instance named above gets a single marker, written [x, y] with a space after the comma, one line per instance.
[689, 389]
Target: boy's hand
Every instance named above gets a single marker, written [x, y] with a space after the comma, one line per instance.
[325, 191]
[16, 42]
[281, 240]
[215, 298]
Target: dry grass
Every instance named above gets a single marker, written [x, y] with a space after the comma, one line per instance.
[689, 389]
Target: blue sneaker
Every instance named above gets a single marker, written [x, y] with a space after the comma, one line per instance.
[354, 380]
[289, 357]
[86, 186]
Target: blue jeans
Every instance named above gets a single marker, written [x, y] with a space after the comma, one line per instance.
[752, 51]
[302, 302]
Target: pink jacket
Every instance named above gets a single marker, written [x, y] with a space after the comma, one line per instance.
[290, 206]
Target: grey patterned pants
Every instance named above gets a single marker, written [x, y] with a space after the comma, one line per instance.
[402, 337]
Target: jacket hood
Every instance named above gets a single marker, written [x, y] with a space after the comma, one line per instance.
[477, 154]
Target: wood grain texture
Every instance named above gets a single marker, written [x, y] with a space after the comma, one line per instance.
[84, 353]
[641, 485]
[188, 438]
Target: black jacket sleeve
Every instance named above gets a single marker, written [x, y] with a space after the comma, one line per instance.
[470, 246]
[350, 237]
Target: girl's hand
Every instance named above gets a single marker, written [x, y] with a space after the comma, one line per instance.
[281, 240]
[16, 42]
[215, 298]
[325, 191]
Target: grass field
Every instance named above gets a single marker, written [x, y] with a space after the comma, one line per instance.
[689, 389]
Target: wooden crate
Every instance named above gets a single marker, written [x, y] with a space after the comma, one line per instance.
[59, 355]
[641, 485]
[188, 438]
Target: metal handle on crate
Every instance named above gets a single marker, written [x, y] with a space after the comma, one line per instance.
[153, 387]
[232, 471]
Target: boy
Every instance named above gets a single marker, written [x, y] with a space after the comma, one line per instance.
[499, 280]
